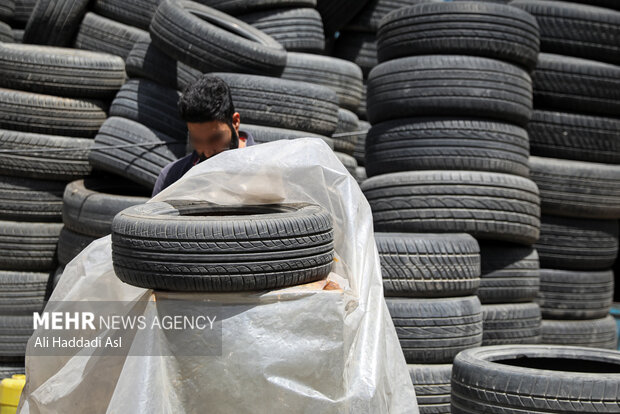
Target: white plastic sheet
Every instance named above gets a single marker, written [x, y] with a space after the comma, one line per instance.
[298, 350]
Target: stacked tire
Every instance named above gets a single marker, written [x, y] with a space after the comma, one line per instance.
[88, 208]
[429, 281]
[448, 151]
[575, 146]
[53, 102]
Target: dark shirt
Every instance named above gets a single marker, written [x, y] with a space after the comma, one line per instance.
[176, 169]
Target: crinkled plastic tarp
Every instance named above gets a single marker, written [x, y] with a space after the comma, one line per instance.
[323, 351]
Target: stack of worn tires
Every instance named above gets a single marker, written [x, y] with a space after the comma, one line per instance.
[448, 153]
[575, 143]
[52, 103]
[88, 207]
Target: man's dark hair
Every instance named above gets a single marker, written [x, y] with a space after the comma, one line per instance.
[207, 99]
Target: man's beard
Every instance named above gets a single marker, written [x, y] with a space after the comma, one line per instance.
[234, 144]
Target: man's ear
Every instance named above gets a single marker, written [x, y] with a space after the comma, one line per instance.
[236, 121]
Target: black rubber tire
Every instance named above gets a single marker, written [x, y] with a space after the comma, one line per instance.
[46, 157]
[486, 205]
[347, 121]
[263, 134]
[59, 71]
[57, 275]
[509, 324]
[18, 35]
[141, 164]
[152, 105]
[298, 30]
[360, 147]
[490, 30]
[70, 244]
[592, 333]
[55, 22]
[436, 85]
[344, 77]
[138, 13]
[576, 85]
[100, 34]
[359, 48]
[27, 199]
[575, 294]
[577, 244]
[348, 161]
[360, 174]
[574, 137]
[428, 265]
[432, 387]
[46, 114]
[509, 273]
[576, 188]
[15, 330]
[235, 7]
[199, 246]
[184, 30]
[23, 9]
[283, 103]
[336, 14]
[369, 18]
[22, 293]
[535, 379]
[433, 331]
[146, 61]
[7, 10]
[608, 4]
[89, 205]
[410, 144]
[344, 140]
[28, 246]
[575, 29]
[6, 34]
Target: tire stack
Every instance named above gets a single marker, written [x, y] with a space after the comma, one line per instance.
[448, 151]
[429, 281]
[88, 208]
[14, 15]
[575, 146]
[7, 12]
[52, 103]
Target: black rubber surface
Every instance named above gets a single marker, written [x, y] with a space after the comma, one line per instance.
[197, 246]
[487, 205]
[437, 85]
[428, 265]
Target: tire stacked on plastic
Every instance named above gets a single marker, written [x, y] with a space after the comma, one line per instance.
[429, 282]
[448, 151]
[575, 146]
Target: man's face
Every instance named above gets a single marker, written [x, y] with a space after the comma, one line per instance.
[211, 138]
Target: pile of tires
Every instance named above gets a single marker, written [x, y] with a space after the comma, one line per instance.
[429, 281]
[575, 146]
[448, 153]
[53, 102]
[88, 208]
[535, 379]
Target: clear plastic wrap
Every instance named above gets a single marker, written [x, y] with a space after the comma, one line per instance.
[304, 349]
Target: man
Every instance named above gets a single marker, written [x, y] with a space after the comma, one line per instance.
[212, 123]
